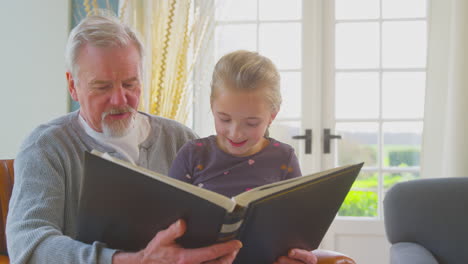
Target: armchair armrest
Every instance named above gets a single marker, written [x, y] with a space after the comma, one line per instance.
[410, 253]
[332, 257]
[4, 259]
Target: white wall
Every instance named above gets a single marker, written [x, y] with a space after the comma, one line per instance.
[32, 73]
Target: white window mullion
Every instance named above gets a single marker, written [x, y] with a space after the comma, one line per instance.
[381, 134]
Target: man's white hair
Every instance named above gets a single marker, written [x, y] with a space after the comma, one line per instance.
[101, 29]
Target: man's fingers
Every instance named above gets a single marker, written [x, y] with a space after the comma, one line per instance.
[215, 252]
[170, 234]
[223, 253]
[228, 259]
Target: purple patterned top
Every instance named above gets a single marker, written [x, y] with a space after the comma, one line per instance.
[201, 162]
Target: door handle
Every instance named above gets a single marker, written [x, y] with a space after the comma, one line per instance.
[327, 136]
[308, 140]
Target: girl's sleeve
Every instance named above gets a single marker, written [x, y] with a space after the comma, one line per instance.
[181, 168]
[294, 170]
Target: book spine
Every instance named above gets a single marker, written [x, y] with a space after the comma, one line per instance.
[232, 222]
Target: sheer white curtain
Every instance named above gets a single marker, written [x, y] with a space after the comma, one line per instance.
[445, 142]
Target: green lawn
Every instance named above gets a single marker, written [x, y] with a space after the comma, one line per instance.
[362, 200]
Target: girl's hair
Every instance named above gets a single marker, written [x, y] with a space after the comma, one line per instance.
[247, 71]
[101, 29]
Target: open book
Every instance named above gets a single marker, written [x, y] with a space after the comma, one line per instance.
[124, 206]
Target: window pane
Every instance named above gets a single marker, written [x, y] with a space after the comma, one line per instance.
[357, 95]
[404, 44]
[291, 92]
[402, 144]
[357, 9]
[234, 37]
[391, 179]
[362, 200]
[280, 9]
[235, 10]
[284, 131]
[357, 45]
[358, 143]
[403, 94]
[404, 8]
[281, 42]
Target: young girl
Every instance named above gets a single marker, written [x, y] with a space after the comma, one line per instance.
[245, 99]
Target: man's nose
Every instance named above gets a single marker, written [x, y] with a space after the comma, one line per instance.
[119, 96]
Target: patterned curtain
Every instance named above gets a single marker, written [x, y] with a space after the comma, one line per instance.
[173, 32]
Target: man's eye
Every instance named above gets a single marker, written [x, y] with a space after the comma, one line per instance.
[102, 88]
[128, 85]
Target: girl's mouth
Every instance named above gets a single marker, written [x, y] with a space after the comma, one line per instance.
[237, 144]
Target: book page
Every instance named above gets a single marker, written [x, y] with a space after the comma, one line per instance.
[245, 198]
[208, 195]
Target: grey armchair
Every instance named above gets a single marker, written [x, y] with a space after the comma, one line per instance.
[426, 221]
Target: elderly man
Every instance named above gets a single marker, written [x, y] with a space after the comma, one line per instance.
[104, 60]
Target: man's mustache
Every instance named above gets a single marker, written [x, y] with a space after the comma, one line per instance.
[118, 110]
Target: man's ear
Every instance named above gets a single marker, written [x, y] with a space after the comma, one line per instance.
[71, 86]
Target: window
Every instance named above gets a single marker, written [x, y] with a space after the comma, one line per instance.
[379, 83]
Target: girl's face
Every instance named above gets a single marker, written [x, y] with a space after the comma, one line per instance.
[241, 119]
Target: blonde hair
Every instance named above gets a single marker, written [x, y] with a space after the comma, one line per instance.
[101, 29]
[247, 71]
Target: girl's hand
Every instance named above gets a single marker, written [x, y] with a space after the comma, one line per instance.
[298, 256]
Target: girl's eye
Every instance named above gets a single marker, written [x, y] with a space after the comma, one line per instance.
[225, 120]
[252, 124]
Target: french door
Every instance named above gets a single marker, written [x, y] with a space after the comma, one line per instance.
[353, 81]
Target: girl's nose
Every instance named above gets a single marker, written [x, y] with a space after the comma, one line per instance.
[236, 132]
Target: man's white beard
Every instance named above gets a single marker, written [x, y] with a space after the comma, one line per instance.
[118, 128]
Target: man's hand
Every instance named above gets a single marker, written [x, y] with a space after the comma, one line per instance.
[298, 256]
[163, 249]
